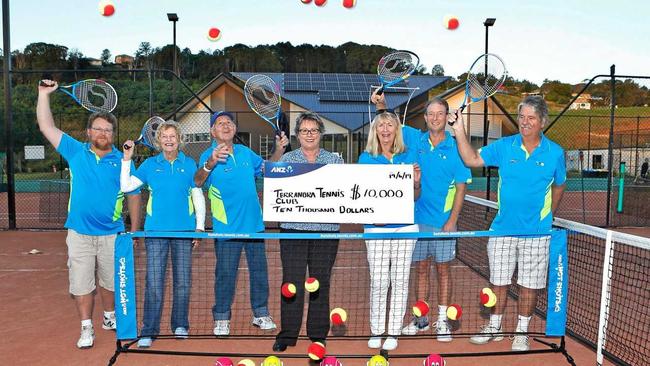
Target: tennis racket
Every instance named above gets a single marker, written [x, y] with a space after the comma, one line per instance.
[479, 85]
[263, 97]
[148, 134]
[395, 67]
[95, 95]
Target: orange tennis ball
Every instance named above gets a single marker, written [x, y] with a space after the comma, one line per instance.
[246, 362]
[214, 34]
[106, 8]
[349, 4]
[338, 316]
[454, 312]
[316, 351]
[451, 22]
[320, 2]
[312, 284]
[288, 290]
[421, 308]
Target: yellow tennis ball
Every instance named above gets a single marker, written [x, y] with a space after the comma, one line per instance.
[491, 301]
[312, 284]
[454, 312]
[377, 360]
[272, 361]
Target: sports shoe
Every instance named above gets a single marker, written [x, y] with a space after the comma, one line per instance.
[443, 331]
[520, 343]
[180, 333]
[374, 342]
[109, 323]
[87, 337]
[413, 328]
[221, 327]
[390, 344]
[145, 342]
[488, 333]
[264, 323]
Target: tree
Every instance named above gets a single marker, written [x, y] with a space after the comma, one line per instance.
[143, 55]
[438, 70]
[106, 57]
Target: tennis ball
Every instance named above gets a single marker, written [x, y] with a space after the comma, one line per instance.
[223, 361]
[246, 362]
[316, 351]
[330, 361]
[434, 359]
[214, 34]
[377, 360]
[320, 2]
[492, 300]
[272, 361]
[338, 316]
[451, 22]
[288, 290]
[305, 1]
[421, 308]
[485, 295]
[454, 312]
[312, 284]
[106, 8]
[349, 4]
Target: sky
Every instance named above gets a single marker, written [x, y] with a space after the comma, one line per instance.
[567, 40]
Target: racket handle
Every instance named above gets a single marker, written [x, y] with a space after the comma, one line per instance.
[380, 91]
[462, 107]
[126, 147]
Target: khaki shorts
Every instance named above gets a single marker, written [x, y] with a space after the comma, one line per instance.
[84, 252]
[528, 254]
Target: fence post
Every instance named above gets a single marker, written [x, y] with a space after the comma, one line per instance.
[9, 122]
[610, 151]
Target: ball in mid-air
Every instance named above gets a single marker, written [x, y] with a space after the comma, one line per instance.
[288, 290]
[338, 316]
[320, 2]
[305, 1]
[421, 308]
[454, 312]
[316, 351]
[451, 22]
[312, 284]
[214, 34]
[349, 4]
[106, 8]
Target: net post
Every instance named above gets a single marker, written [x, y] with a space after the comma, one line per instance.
[604, 297]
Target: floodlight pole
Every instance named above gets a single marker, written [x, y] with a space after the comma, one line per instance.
[9, 122]
[486, 124]
[173, 17]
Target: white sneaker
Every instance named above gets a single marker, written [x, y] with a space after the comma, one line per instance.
[145, 342]
[221, 327]
[181, 333]
[443, 331]
[390, 344]
[520, 343]
[413, 328]
[264, 323]
[374, 342]
[87, 337]
[488, 333]
[109, 323]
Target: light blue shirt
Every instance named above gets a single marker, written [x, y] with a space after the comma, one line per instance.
[170, 206]
[525, 182]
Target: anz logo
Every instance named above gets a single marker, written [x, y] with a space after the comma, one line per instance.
[282, 169]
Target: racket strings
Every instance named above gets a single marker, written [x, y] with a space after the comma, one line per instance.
[263, 96]
[149, 130]
[396, 65]
[481, 85]
[96, 95]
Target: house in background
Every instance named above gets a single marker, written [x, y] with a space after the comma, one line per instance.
[583, 101]
[125, 60]
[342, 100]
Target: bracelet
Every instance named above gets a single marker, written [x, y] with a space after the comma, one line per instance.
[205, 167]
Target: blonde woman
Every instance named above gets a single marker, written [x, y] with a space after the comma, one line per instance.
[389, 260]
[169, 177]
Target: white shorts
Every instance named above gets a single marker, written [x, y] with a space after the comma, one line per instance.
[87, 254]
[529, 254]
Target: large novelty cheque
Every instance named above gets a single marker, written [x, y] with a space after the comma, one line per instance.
[338, 193]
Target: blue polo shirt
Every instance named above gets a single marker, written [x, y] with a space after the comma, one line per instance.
[170, 206]
[95, 205]
[525, 182]
[442, 168]
[234, 203]
[412, 135]
[407, 157]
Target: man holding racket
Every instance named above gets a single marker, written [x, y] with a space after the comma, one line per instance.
[532, 176]
[229, 171]
[94, 211]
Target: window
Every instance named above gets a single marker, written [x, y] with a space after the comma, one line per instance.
[597, 162]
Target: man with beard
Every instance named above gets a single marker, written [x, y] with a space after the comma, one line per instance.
[94, 209]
